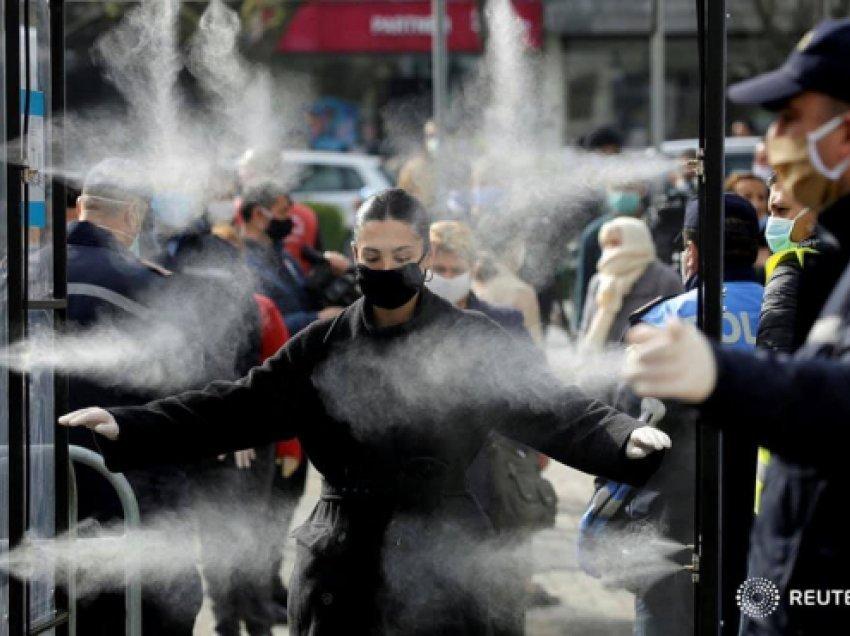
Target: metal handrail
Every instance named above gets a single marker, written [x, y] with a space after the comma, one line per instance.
[132, 519]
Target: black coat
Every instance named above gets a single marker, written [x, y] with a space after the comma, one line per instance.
[799, 408]
[785, 321]
[108, 285]
[391, 418]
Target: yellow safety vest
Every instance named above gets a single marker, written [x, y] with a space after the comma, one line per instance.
[764, 454]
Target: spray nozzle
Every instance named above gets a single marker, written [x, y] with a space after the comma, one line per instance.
[693, 566]
[652, 411]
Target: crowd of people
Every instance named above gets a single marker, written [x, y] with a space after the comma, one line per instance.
[428, 306]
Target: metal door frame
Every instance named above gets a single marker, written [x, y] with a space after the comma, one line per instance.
[17, 224]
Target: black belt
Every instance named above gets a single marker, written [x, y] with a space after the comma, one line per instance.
[355, 491]
[420, 477]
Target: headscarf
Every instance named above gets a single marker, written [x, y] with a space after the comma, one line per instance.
[618, 270]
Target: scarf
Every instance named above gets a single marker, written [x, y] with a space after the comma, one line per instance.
[618, 270]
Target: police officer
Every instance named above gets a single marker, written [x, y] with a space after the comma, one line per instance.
[742, 292]
[108, 283]
[797, 407]
[667, 607]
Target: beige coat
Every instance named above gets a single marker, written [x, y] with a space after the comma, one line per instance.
[508, 290]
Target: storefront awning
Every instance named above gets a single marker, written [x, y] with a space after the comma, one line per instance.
[334, 26]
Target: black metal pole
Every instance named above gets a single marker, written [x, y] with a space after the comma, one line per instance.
[16, 290]
[711, 225]
[60, 383]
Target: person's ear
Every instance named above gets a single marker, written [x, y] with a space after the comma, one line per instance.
[427, 258]
[354, 251]
[130, 218]
[692, 256]
[804, 225]
[844, 150]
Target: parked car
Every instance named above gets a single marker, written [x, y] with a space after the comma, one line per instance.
[335, 178]
[739, 151]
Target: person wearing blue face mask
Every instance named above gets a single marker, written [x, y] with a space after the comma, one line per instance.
[796, 406]
[620, 201]
[796, 242]
[624, 201]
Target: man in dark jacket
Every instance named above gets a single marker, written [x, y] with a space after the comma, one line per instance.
[798, 407]
[108, 284]
[277, 273]
[796, 242]
[784, 322]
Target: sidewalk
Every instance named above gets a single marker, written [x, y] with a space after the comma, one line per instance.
[586, 609]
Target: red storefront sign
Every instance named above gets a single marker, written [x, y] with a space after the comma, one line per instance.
[335, 26]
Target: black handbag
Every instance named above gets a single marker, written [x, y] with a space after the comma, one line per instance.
[521, 498]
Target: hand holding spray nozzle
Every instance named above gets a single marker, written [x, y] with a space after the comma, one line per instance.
[652, 411]
[647, 439]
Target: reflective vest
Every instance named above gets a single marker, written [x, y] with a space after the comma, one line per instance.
[764, 454]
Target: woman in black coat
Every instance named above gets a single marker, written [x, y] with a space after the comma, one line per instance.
[391, 400]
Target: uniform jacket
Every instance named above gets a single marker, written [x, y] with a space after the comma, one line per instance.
[741, 303]
[742, 298]
[106, 283]
[799, 408]
[391, 418]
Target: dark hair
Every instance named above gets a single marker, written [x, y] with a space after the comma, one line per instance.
[71, 194]
[735, 178]
[395, 205]
[601, 137]
[263, 194]
[740, 249]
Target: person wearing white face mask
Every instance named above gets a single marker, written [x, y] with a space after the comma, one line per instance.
[451, 274]
[453, 255]
[628, 277]
[796, 407]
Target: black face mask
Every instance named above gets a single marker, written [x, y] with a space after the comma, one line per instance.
[279, 229]
[390, 288]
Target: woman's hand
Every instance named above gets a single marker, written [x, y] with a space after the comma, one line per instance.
[645, 440]
[97, 419]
